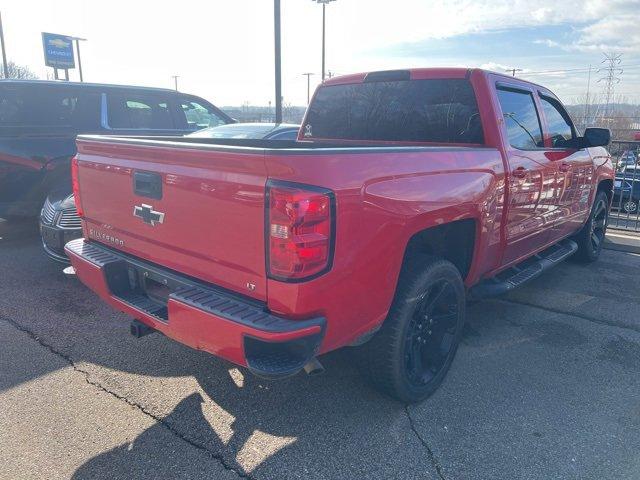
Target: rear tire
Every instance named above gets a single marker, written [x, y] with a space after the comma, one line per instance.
[411, 354]
[591, 238]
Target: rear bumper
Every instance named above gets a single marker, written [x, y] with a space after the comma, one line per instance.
[197, 314]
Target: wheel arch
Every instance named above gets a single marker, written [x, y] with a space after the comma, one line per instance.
[454, 241]
[606, 186]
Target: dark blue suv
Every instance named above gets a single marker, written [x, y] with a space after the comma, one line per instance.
[39, 121]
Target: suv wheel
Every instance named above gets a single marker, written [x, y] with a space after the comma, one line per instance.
[591, 238]
[411, 354]
[630, 206]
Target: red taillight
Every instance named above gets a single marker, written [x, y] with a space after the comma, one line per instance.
[300, 231]
[75, 183]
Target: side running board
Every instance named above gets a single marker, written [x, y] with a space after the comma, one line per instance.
[524, 271]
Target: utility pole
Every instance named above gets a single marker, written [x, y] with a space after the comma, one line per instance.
[611, 78]
[78, 40]
[324, 8]
[513, 71]
[586, 106]
[324, 5]
[308, 86]
[5, 66]
[175, 81]
[278, 62]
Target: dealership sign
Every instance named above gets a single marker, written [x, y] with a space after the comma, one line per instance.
[58, 50]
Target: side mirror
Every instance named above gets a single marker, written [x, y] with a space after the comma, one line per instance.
[596, 137]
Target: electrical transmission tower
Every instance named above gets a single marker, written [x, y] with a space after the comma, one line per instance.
[611, 78]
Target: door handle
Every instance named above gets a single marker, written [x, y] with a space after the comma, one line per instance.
[519, 172]
[565, 167]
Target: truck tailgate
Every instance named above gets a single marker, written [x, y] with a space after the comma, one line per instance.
[198, 211]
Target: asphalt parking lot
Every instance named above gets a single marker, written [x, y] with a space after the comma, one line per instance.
[546, 385]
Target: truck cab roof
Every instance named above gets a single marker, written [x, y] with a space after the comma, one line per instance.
[417, 74]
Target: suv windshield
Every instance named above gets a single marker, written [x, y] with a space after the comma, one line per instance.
[434, 110]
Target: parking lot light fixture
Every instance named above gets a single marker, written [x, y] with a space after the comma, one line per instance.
[324, 4]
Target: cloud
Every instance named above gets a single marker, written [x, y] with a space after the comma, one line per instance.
[616, 32]
[590, 24]
[549, 43]
[501, 68]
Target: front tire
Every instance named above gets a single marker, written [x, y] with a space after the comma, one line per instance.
[591, 238]
[411, 354]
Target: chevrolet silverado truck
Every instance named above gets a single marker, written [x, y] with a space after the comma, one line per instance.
[406, 193]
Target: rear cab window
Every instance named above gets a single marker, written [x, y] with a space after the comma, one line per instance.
[421, 111]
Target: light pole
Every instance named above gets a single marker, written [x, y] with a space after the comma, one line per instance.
[78, 40]
[5, 66]
[308, 86]
[175, 81]
[278, 73]
[324, 4]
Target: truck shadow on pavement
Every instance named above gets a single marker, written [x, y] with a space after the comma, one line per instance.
[296, 428]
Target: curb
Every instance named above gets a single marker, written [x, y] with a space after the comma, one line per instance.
[622, 241]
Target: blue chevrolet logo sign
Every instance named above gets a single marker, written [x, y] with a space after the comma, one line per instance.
[58, 50]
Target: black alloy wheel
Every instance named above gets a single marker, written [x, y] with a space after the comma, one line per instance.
[431, 333]
[591, 238]
[410, 355]
[599, 218]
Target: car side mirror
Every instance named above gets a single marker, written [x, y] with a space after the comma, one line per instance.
[596, 137]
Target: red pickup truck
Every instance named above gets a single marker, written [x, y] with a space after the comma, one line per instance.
[406, 192]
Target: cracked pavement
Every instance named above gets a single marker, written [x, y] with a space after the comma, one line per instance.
[545, 385]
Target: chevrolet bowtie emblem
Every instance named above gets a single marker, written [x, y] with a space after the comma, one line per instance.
[148, 214]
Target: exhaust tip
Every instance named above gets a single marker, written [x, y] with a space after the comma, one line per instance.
[139, 329]
[313, 367]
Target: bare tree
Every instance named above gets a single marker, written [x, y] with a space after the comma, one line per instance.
[19, 72]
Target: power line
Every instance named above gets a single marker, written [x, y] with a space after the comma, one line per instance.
[570, 70]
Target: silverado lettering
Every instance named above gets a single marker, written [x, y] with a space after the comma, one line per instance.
[407, 192]
[105, 237]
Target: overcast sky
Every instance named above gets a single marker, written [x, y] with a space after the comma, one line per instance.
[223, 49]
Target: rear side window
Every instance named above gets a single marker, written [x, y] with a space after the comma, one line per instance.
[434, 110]
[39, 106]
[559, 126]
[139, 112]
[521, 118]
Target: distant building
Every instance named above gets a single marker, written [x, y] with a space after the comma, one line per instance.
[253, 114]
